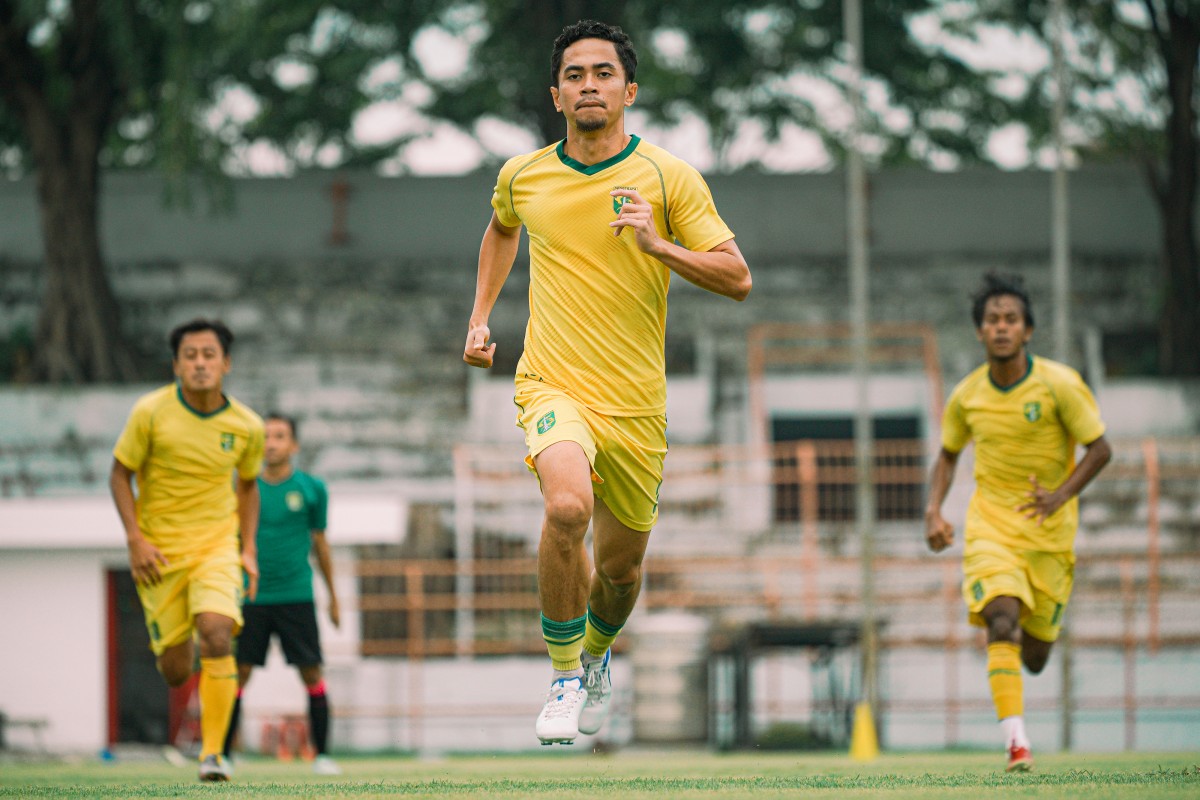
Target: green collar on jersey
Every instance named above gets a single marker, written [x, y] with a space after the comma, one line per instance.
[592, 169]
[1011, 386]
[200, 414]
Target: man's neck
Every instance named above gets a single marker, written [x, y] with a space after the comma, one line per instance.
[595, 146]
[277, 473]
[205, 401]
[1006, 372]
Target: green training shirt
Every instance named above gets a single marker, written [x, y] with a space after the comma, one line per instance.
[290, 512]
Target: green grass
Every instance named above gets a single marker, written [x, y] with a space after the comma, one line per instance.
[634, 774]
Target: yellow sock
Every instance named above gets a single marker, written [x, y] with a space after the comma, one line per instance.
[598, 635]
[564, 641]
[218, 691]
[1004, 676]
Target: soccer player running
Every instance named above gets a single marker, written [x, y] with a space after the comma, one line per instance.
[291, 525]
[1025, 414]
[604, 210]
[184, 442]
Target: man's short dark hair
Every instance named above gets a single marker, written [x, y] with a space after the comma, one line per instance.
[224, 335]
[290, 420]
[591, 29]
[998, 285]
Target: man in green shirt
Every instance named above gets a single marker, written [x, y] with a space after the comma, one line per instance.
[291, 524]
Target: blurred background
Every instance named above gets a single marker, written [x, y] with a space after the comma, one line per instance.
[318, 175]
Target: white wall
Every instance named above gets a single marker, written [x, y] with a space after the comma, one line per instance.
[54, 557]
[55, 661]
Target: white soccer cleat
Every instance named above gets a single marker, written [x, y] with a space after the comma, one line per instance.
[215, 768]
[324, 765]
[598, 682]
[559, 721]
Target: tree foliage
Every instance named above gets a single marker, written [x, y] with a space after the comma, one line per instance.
[192, 87]
[86, 85]
[1132, 94]
[729, 63]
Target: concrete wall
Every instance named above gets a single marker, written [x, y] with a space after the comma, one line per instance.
[913, 212]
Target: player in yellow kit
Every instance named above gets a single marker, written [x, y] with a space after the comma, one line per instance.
[1026, 415]
[184, 443]
[610, 217]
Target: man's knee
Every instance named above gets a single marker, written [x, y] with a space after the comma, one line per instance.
[1003, 617]
[215, 632]
[620, 578]
[569, 514]
[176, 667]
[1035, 653]
[1034, 662]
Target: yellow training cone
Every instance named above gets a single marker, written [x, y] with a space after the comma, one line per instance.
[864, 745]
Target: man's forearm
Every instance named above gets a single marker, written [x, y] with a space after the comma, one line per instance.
[247, 511]
[497, 253]
[940, 481]
[721, 271]
[324, 561]
[121, 488]
[1098, 454]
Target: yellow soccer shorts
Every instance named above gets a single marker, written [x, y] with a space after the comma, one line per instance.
[211, 582]
[1042, 581]
[626, 453]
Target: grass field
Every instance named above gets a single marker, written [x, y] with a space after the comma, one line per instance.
[634, 774]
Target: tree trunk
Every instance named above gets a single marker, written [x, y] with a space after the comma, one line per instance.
[1180, 328]
[79, 338]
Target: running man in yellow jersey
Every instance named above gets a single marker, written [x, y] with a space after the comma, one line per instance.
[609, 217]
[184, 442]
[1026, 415]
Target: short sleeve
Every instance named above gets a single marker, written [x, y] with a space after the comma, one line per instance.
[250, 463]
[691, 213]
[1077, 409]
[955, 433]
[502, 198]
[319, 510]
[133, 445]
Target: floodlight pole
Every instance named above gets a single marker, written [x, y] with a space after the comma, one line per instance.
[1061, 278]
[1060, 236]
[856, 219]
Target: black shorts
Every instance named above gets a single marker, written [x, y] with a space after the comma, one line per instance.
[294, 623]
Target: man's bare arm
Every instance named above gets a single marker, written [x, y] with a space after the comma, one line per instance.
[939, 533]
[145, 559]
[496, 255]
[325, 564]
[247, 510]
[1043, 502]
[721, 270]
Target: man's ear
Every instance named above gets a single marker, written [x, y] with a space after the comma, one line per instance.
[554, 97]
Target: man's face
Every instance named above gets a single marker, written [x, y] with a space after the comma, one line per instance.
[1003, 331]
[279, 445]
[591, 92]
[201, 363]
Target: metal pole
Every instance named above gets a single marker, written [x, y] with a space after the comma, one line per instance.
[1060, 278]
[1060, 235]
[856, 212]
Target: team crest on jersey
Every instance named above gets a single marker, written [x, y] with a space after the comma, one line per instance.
[227, 442]
[1033, 411]
[621, 200]
[546, 422]
[294, 500]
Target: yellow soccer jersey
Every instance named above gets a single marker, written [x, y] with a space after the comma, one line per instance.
[185, 462]
[597, 304]
[1030, 428]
